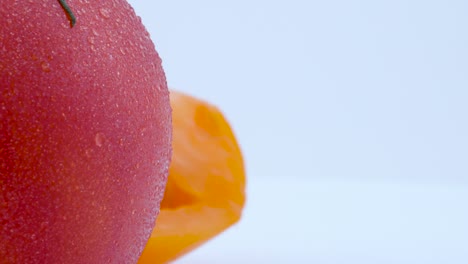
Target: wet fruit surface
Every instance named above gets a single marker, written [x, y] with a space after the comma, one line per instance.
[205, 192]
[85, 133]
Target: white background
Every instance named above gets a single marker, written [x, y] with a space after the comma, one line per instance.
[352, 116]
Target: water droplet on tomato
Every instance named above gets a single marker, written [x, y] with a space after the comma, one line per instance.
[45, 66]
[99, 139]
[104, 12]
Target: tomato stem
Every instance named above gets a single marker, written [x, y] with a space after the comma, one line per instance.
[70, 14]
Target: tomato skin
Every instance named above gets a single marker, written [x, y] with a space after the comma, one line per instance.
[85, 133]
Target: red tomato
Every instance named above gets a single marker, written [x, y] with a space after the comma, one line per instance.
[85, 133]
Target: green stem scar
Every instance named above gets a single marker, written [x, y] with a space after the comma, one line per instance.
[67, 9]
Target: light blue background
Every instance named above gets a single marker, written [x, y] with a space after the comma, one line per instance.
[352, 116]
[327, 89]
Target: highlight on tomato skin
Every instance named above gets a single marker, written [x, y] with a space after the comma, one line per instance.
[205, 192]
